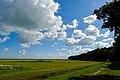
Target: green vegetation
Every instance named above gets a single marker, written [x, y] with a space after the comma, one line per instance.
[54, 69]
[104, 54]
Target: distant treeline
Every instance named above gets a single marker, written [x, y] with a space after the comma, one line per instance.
[104, 54]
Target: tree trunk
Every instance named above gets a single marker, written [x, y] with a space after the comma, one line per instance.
[117, 45]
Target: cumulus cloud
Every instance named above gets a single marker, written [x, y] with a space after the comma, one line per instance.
[51, 35]
[27, 18]
[101, 44]
[29, 36]
[26, 45]
[29, 14]
[92, 31]
[90, 19]
[88, 40]
[74, 24]
[63, 28]
[62, 35]
[70, 41]
[78, 33]
[79, 50]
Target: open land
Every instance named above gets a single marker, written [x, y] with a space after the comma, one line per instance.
[35, 69]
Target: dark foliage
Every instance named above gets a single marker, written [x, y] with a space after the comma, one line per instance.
[110, 15]
[114, 66]
[98, 77]
[104, 54]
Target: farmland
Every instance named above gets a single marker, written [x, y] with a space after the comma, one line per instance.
[57, 70]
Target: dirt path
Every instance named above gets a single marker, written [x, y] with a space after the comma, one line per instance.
[97, 72]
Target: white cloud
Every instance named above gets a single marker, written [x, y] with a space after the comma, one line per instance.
[4, 39]
[55, 43]
[79, 51]
[64, 49]
[90, 19]
[27, 45]
[78, 33]
[88, 40]
[101, 44]
[108, 39]
[70, 41]
[6, 49]
[62, 35]
[71, 52]
[29, 14]
[92, 31]
[51, 35]
[63, 28]
[77, 48]
[106, 34]
[27, 18]
[26, 36]
[23, 52]
[74, 24]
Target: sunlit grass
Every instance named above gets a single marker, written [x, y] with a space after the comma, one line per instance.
[52, 69]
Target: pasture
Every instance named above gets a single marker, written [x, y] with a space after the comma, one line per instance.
[57, 70]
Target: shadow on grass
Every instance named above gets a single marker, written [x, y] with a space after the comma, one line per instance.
[97, 77]
[114, 66]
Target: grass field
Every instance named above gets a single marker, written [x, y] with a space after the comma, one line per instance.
[58, 70]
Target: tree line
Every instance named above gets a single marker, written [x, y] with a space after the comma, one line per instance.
[104, 54]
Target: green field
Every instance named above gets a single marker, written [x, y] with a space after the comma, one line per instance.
[58, 70]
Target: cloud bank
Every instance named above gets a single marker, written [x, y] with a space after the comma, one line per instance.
[29, 19]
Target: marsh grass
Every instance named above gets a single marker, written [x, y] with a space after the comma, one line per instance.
[56, 70]
[10, 67]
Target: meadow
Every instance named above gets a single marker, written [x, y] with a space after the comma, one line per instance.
[29, 69]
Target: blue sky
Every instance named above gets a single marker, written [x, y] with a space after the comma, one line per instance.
[50, 29]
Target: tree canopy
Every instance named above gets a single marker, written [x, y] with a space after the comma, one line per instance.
[110, 14]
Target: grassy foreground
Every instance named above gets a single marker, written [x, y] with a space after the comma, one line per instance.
[58, 70]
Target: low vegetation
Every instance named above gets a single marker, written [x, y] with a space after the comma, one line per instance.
[57, 70]
[10, 67]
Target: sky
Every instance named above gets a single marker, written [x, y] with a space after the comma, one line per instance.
[50, 29]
